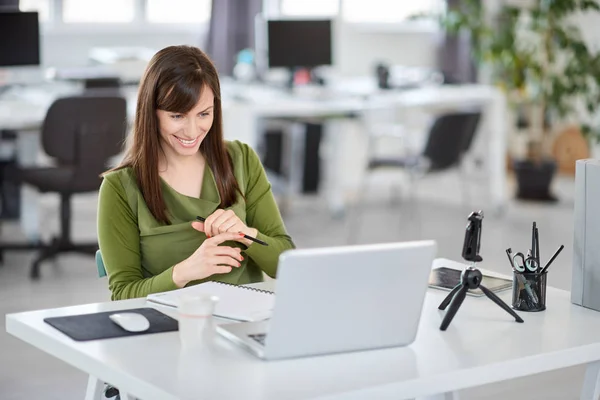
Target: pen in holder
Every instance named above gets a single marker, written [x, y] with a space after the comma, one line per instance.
[529, 277]
[529, 291]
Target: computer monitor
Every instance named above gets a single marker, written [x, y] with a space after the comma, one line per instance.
[299, 43]
[19, 39]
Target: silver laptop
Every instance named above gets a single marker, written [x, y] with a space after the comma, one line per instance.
[340, 299]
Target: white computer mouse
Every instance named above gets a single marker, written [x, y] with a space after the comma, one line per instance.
[132, 322]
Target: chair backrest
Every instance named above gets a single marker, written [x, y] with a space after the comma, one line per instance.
[449, 138]
[473, 125]
[85, 131]
[100, 264]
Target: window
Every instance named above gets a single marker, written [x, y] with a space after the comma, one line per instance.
[387, 10]
[41, 6]
[178, 11]
[105, 11]
[310, 8]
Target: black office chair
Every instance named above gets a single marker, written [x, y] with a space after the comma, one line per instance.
[450, 137]
[81, 134]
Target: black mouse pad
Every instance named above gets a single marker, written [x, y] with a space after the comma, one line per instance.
[99, 326]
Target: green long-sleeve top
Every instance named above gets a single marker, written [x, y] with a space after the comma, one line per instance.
[139, 252]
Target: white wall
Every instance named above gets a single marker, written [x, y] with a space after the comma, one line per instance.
[64, 49]
[355, 51]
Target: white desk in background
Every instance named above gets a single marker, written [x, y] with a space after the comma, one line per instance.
[482, 345]
[262, 103]
[247, 108]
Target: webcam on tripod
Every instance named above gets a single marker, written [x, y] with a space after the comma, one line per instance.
[471, 277]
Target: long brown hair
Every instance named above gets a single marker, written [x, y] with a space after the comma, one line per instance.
[173, 82]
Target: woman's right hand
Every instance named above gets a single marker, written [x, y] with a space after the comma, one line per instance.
[209, 259]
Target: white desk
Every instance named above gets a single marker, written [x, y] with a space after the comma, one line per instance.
[263, 104]
[246, 108]
[482, 345]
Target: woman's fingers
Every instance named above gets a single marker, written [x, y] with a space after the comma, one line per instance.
[224, 260]
[232, 252]
[210, 220]
[199, 226]
[225, 221]
[229, 224]
[222, 269]
[222, 221]
[223, 237]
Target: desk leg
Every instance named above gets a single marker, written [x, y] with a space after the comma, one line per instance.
[27, 153]
[441, 396]
[591, 382]
[94, 389]
[336, 147]
[125, 396]
[497, 128]
[295, 148]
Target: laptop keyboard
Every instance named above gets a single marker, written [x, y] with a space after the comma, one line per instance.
[259, 337]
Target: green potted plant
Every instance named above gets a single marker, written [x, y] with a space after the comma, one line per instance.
[535, 52]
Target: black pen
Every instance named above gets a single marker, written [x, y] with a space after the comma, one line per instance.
[510, 260]
[553, 257]
[245, 236]
[537, 246]
[533, 248]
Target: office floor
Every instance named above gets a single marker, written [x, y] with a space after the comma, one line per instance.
[27, 373]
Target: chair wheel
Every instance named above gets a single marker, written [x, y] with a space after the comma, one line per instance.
[110, 392]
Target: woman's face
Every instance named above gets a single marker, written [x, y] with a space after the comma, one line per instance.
[182, 134]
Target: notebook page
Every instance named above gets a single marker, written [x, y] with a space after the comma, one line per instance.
[235, 302]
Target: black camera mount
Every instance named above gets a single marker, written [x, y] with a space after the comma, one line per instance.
[471, 277]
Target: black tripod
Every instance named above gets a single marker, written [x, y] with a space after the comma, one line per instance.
[470, 277]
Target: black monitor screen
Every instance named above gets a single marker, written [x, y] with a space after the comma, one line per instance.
[19, 39]
[299, 43]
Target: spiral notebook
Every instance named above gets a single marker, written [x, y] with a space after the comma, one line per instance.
[239, 303]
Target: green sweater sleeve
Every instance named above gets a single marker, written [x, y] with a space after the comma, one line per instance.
[119, 241]
[263, 214]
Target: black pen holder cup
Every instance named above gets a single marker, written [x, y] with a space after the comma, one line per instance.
[529, 291]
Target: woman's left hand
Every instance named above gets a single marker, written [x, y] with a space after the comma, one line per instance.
[222, 221]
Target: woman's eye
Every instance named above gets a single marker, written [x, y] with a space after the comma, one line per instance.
[176, 116]
[205, 114]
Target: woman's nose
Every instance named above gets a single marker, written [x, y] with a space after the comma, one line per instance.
[193, 125]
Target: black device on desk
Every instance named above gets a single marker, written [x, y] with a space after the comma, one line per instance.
[471, 277]
[19, 47]
[299, 43]
[296, 44]
[20, 40]
[20, 33]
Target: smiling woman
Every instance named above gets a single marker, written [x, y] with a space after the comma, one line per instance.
[177, 167]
